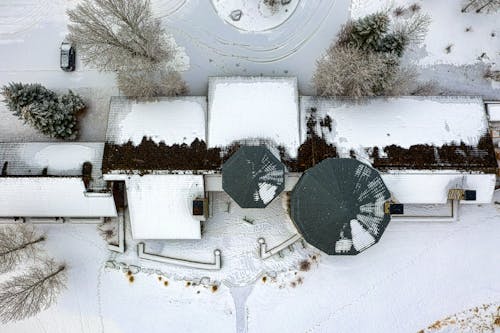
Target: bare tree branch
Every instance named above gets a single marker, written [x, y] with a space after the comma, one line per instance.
[119, 35]
[18, 243]
[25, 295]
[480, 5]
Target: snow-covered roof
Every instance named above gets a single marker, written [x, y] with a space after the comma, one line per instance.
[431, 187]
[494, 111]
[51, 197]
[60, 158]
[161, 206]
[263, 108]
[174, 120]
[402, 121]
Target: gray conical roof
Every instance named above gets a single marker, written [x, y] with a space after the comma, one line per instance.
[253, 177]
[338, 206]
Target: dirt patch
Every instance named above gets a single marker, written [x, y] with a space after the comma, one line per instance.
[305, 265]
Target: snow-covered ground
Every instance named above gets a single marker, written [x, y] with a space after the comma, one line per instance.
[417, 274]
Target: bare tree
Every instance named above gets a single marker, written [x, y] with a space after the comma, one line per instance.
[119, 35]
[351, 72]
[150, 84]
[18, 243]
[414, 28]
[481, 5]
[35, 290]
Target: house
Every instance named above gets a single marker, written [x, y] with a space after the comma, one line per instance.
[169, 154]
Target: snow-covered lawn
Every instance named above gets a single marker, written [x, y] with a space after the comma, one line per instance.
[99, 300]
[418, 273]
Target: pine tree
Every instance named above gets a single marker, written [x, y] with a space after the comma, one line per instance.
[19, 95]
[366, 33]
[393, 43]
[43, 109]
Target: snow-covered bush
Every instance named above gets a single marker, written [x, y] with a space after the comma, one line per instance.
[364, 60]
[351, 72]
[43, 109]
[377, 33]
[19, 95]
[149, 84]
[124, 36]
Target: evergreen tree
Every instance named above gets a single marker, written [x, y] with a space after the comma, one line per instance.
[19, 95]
[367, 33]
[393, 43]
[43, 109]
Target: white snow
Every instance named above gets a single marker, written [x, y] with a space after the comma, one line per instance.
[161, 206]
[253, 108]
[60, 158]
[63, 156]
[361, 238]
[448, 27]
[103, 300]
[51, 197]
[266, 192]
[171, 121]
[256, 16]
[403, 121]
[494, 111]
[426, 187]
[416, 274]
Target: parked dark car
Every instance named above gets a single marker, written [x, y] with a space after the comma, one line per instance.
[67, 57]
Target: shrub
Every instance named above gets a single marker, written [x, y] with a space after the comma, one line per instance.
[352, 72]
[150, 84]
